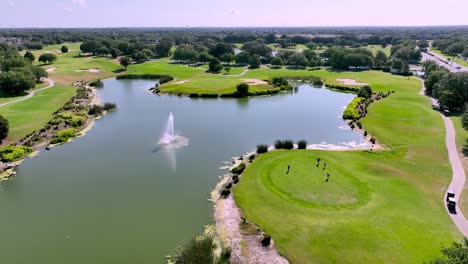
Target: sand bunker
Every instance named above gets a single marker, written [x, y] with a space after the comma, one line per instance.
[88, 70]
[253, 81]
[51, 69]
[181, 82]
[351, 82]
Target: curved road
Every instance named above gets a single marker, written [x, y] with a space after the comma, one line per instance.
[31, 94]
[458, 172]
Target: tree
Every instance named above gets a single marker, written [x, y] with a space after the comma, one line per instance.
[270, 38]
[89, 47]
[227, 69]
[312, 58]
[465, 53]
[277, 62]
[39, 73]
[17, 81]
[311, 45]
[125, 61]
[243, 57]
[228, 57]
[451, 100]
[242, 90]
[12, 63]
[455, 254]
[28, 55]
[465, 119]
[221, 48]
[64, 49]
[423, 44]
[114, 52]
[47, 58]
[35, 45]
[185, 53]
[4, 128]
[215, 65]
[204, 57]
[365, 92]
[380, 60]
[102, 51]
[297, 59]
[164, 46]
[254, 62]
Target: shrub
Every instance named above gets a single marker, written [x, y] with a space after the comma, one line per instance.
[109, 106]
[76, 121]
[351, 110]
[279, 81]
[262, 148]
[148, 76]
[64, 135]
[365, 92]
[4, 128]
[342, 88]
[95, 110]
[266, 240]
[365, 133]
[359, 124]
[242, 90]
[251, 157]
[198, 250]
[11, 153]
[279, 144]
[302, 144]
[239, 169]
[97, 83]
[372, 140]
[288, 144]
[225, 193]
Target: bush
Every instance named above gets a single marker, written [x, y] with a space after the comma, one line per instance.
[148, 76]
[343, 88]
[279, 81]
[365, 92]
[95, 110]
[288, 144]
[266, 240]
[97, 83]
[11, 153]
[64, 135]
[279, 144]
[262, 149]
[109, 106]
[239, 169]
[196, 251]
[4, 128]
[215, 65]
[242, 90]
[76, 121]
[302, 144]
[351, 111]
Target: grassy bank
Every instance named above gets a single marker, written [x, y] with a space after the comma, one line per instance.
[379, 206]
[461, 137]
[452, 58]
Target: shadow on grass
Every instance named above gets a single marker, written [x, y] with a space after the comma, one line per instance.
[118, 71]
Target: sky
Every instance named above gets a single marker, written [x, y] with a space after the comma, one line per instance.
[233, 13]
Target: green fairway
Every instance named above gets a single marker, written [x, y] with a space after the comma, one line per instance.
[375, 48]
[32, 114]
[378, 207]
[461, 137]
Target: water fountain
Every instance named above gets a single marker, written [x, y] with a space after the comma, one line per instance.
[169, 137]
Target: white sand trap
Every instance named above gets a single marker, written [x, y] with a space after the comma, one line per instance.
[51, 69]
[88, 70]
[181, 82]
[253, 81]
[351, 82]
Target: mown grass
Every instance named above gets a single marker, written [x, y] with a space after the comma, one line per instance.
[404, 219]
[32, 114]
[375, 48]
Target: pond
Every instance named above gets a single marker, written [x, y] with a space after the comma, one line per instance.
[112, 197]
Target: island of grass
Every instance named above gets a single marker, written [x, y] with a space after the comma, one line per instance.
[378, 206]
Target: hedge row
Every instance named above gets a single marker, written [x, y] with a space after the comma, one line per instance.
[234, 95]
[161, 77]
[351, 111]
[343, 88]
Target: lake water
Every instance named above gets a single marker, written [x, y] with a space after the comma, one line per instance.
[110, 197]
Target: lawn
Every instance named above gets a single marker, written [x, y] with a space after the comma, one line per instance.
[4, 98]
[378, 207]
[32, 114]
[453, 58]
[375, 48]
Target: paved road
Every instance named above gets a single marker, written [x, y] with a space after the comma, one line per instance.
[31, 94]
[458, 172]
[443, 61]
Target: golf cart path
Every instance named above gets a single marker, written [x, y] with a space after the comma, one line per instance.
[31, 94]
[458, 172]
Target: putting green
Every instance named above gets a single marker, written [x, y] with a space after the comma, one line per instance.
[312, 184]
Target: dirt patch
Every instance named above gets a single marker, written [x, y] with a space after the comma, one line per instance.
[351, 82]
[51, 69]
[181, 82]
[88, 70]
[253, 81]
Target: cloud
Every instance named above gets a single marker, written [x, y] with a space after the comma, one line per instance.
[80, 3]
[68, 9]
[11, 3]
